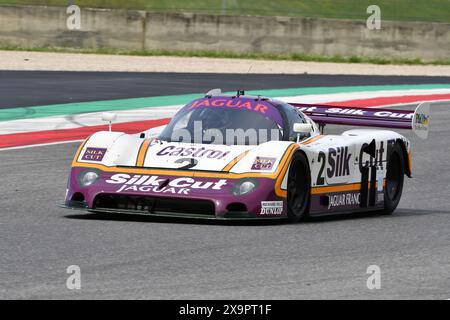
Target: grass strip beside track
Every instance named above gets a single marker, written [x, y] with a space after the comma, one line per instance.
[395, 10]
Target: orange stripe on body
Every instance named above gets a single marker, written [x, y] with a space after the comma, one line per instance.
[230, 165]
[281, 168]
[179, 173]
[337, 188]
[410, 162]
[311, 140]
[142, 153]
[285, 165]
[341, 188]
[80, 148]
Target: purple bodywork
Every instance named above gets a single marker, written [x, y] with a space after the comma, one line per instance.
[226, 204]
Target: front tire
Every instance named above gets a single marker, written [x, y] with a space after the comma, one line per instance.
[394, 180]
[298, 188]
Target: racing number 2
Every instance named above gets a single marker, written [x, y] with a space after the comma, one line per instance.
[339, 160]
[322, 159]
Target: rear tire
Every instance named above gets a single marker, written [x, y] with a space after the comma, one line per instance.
[394, 180]
[298, 188]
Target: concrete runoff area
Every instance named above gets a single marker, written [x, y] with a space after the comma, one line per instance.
[48, 61]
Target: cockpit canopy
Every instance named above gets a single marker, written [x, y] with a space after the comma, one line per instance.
[237, 120]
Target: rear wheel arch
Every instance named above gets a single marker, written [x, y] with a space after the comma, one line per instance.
[407, 164]
[394, 179]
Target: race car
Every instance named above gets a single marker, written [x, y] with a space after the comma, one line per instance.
[249, 157]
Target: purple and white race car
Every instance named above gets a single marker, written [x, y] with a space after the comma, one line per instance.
[248, 157]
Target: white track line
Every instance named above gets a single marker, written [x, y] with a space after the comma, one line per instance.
[151, 113]
[40, 145]
[84, 120]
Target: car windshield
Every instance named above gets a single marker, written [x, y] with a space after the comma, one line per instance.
[230, 126]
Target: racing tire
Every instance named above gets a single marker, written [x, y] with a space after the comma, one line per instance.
[394, 180]
[298, 188]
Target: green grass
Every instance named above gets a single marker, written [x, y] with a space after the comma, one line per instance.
[399, 10]
[231, 55]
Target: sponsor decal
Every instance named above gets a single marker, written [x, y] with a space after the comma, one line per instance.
[338, 160]
[258, 106]
[358, 112]
[193, 152]
[155, 184]
[373, 161]
[421, 122]
[344, 199]
[263, 163]
[271, 207]
[388, 114]
[94, 154]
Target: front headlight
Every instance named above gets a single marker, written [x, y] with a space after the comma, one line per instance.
[244, 188]
[88, 178]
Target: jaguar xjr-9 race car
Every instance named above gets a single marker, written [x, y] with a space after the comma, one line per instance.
[245, 157]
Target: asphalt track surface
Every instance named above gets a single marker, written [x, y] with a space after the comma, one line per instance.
[23, 88]
[140, 257]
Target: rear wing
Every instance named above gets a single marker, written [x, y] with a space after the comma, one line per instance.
[417, 120]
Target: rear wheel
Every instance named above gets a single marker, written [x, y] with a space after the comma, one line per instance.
[394, 180]
[298, 188]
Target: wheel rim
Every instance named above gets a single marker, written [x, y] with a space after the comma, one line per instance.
[393, 177]
[296, 186]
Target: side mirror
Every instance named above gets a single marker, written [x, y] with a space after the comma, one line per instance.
[109, 117]
[302, 128]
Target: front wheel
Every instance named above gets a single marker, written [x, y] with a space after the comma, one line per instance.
[298, 188]
[394, 180]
